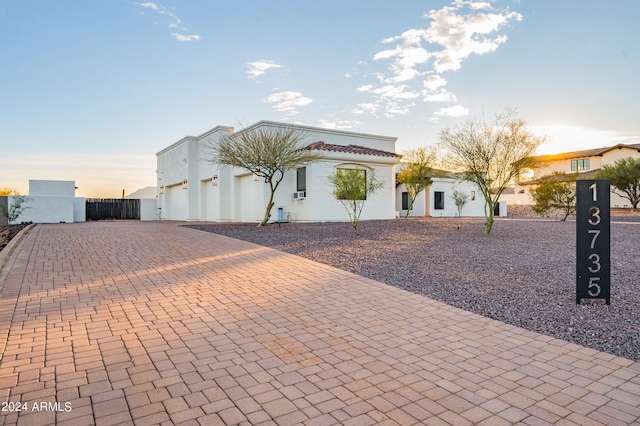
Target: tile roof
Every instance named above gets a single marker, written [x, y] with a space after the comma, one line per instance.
[585, 153]
[351, 149]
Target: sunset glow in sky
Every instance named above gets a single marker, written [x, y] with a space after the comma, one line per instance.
[90, 91]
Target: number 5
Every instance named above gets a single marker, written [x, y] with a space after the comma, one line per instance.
[592, 285]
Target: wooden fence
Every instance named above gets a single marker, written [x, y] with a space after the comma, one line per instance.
[112, 208]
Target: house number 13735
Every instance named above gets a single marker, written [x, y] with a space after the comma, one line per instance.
[593, 271]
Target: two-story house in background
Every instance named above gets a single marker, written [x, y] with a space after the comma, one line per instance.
[586, 163]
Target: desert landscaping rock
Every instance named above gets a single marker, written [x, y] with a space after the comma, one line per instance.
[522, 274]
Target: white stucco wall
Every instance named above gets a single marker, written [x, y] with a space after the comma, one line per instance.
[148, 209]
[52, 188]
[41, 209]
[79, 209]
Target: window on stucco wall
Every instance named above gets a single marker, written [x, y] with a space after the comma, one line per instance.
[301, 179]
[581, 164]
[438, 200]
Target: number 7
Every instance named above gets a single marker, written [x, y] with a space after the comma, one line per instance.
[595, 233]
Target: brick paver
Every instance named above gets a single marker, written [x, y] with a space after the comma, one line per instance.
[153, 323]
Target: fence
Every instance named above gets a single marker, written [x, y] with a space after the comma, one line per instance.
[112, 208]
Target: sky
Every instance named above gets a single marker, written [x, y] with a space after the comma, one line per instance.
[90, 91]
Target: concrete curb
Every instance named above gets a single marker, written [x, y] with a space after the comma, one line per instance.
[5, 254]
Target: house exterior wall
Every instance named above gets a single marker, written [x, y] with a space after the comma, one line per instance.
[239, 197]
[425, 204]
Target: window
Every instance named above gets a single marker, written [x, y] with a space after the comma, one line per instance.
[582, 164]
[352, 184]
[301, 178]
[405, 201]
[438, 200]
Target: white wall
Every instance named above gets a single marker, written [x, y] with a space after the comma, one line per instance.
[52, 201]
[41, 209]
[52, 188]
[148, 209]
[79, 209]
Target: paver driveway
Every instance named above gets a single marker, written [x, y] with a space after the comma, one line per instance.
[146, 323]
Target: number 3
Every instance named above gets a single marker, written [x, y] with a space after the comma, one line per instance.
[595, 214]
[595, 259]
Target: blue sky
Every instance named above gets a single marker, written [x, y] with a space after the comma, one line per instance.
[90, 91]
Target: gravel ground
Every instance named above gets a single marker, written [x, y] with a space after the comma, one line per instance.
[522, 274]
[7, 232]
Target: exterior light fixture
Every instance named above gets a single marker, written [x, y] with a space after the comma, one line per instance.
[256, 177]
[162, 189]
[214, 180]
[184, 184]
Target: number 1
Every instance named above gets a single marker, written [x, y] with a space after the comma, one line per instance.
[592, 187]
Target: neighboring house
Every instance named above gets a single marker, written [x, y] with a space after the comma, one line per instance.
[192, 188]
[586, 163]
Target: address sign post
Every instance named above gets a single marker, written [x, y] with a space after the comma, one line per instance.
[593, 241]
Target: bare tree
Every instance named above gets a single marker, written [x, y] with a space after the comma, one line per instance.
[417, 172]
[491, 155]
[267, 151]
[352, 187]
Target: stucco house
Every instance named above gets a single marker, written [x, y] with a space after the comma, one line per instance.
[192, 188]
[585, 162]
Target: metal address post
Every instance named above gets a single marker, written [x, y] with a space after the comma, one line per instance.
[593, 241]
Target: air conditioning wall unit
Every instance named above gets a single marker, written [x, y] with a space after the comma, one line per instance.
[300, 195]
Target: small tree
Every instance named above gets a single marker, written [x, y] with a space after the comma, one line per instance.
[266, 151]
[491, 155]
[555, 191]
[460, 199]
[16, 205]
[625, 177]
[417, 172]
[352, 187]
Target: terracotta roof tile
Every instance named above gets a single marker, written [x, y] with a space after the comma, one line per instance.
[351, 149]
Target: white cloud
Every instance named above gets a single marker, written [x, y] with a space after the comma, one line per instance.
[442, 95]
[258, 68]
[340, 124]
[182, 37]
[462, 35]
[287, 101]
[454, 32]
[454, 111]
[366, 108]
[151, 5]
[174, 21]
[434, 82]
